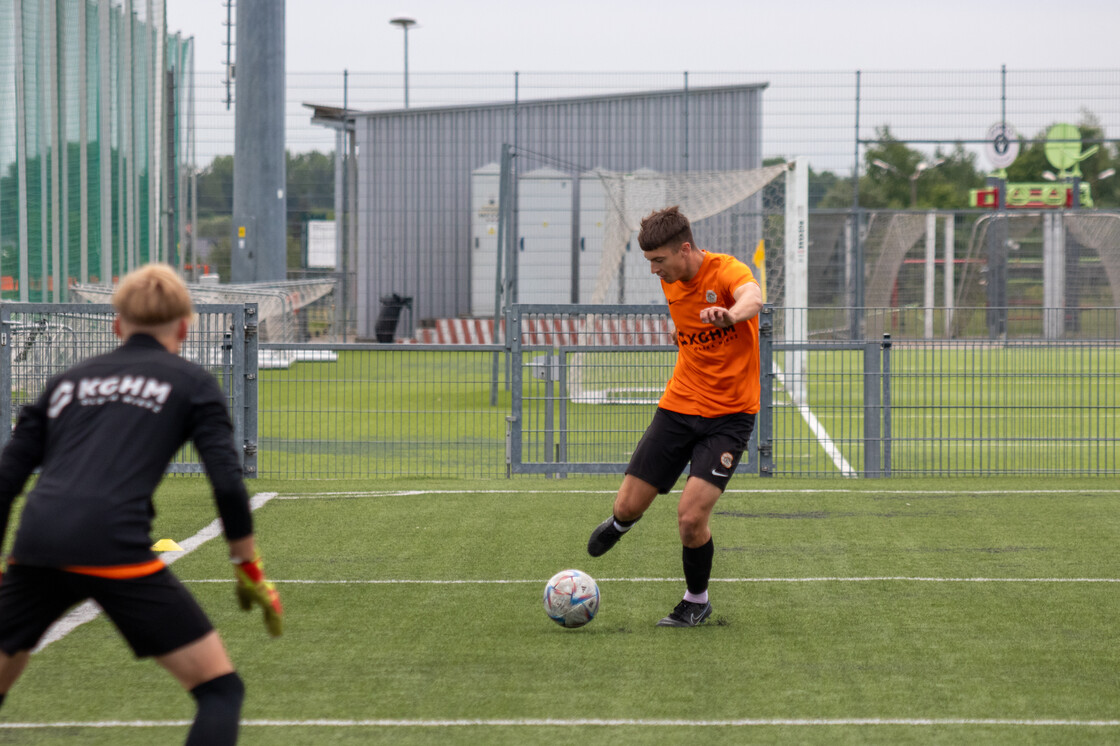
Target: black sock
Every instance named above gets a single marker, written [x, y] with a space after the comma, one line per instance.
[698, 566]
[219, 711]
[625, 524]
[2, 698]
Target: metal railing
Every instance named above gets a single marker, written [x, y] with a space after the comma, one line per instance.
[39, 340]
[571, 389]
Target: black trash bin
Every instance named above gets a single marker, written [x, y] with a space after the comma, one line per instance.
[390, 316]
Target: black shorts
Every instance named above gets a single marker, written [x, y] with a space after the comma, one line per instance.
[713, 446]
[155, 613]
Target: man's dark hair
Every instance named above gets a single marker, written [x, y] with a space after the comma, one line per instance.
[666, 227]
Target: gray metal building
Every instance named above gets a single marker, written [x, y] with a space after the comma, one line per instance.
[414, 173]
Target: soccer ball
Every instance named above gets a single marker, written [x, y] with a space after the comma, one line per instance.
[571, 598]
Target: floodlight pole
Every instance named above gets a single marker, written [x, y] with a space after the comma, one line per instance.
[918, 171]
[405, 23]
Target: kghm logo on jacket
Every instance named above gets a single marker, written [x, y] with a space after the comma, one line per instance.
[139, 391]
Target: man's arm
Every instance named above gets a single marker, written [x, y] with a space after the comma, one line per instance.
[23, 453]
[212, 433]
[211, 430]
[242, 550]
[748, 302]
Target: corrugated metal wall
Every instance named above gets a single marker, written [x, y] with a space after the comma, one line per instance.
[414, 173]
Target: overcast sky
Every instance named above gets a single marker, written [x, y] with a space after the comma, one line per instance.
[694, 35]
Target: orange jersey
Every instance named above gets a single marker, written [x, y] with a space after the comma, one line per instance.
[717, 369]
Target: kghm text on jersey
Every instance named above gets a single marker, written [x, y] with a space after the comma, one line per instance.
[704, 337]
[139, 391]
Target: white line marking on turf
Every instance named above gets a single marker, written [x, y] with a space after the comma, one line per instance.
[761, 491]
[89, 611]
[818, 430]
[823, 579]
[553, 722]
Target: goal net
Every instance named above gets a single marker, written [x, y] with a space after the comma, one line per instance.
[757, 215]
[730, 211]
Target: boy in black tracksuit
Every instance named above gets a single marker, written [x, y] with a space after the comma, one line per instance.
[103, 432]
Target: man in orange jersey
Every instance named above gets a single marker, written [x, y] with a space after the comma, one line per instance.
[706, 415]
[103, 432]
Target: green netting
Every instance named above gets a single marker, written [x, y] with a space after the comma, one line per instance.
[92, 142]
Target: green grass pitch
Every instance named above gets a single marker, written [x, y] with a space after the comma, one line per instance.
[980, 409]
[845, 611]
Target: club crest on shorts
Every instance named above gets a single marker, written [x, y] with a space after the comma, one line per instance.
[710, 296]
[726, 459]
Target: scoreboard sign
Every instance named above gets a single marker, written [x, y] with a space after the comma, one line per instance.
[1044, 195]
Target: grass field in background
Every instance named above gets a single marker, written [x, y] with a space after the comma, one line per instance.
[845, 611]
[403, 411]
[981, 409]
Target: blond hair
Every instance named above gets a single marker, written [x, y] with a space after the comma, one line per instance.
[152, 295]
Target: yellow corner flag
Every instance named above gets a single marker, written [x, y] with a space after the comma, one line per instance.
[759, 260]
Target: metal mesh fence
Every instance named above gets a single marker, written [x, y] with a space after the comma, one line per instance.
[807, 113]
[831, 118]
[972, 407]
[576, 390]
[902, 405]
[963, 408]
[40, 340]
[387, 410]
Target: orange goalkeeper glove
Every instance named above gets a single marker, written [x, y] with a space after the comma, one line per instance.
[254, 588]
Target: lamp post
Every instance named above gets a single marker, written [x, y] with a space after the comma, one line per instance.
[920, 169]
[405, 23]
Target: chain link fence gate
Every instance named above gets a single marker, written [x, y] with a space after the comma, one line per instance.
[586, 380]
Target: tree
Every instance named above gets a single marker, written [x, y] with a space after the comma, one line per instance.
[310, 180]
[894, 179]
[215, 187]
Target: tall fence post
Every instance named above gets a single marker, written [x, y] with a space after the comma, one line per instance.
[765, 422]
[549, 399]
[872, 433]
[886, 394]
[249, 395]
[562, 396]
[235, 349]
[5, 378]
[513, 344]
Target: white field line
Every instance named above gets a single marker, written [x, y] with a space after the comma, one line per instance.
[558, 722]
[818, 430]
[753, 491]
[823, 579]
[89, 611]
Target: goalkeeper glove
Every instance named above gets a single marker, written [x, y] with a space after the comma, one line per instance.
[254, 588]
